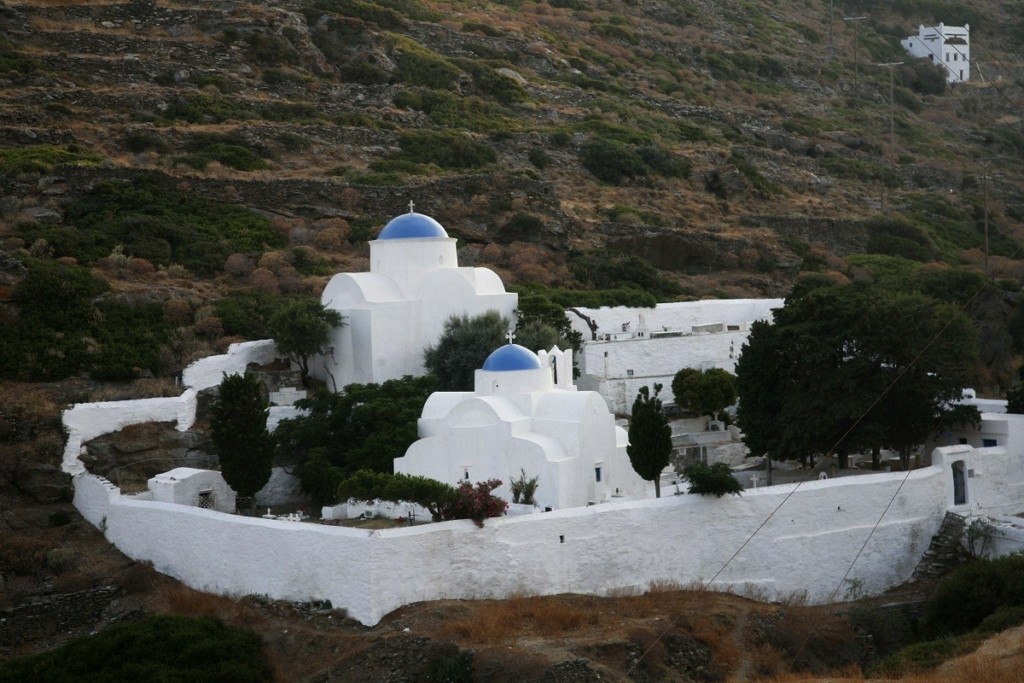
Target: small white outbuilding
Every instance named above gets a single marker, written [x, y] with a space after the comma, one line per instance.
[197, 488]
[525, 415]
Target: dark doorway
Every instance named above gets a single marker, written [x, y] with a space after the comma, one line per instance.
[959, 483]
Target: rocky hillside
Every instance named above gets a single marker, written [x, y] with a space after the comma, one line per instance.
[732, 145]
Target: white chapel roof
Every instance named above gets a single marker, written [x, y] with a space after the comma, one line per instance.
[412, 225]
[510, 358]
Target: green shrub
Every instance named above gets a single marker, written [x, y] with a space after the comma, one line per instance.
[14, 63]
[488, 81]
[760, 184]
[663, 162]
[275, 76]
[446, 149]
[539, 158]
[165, 648]
[234, 156]
[895, 237]
[204, 108]
[604, 270]
[481, 27]
[44, 158]
[975, 591]
[522, 225]
[141, 141]
[925, 656]
[1002, 619]
[165, 226]
[610, 161]
[417, 65]
[364, 72]
[129, 337]
[715, 479]
[449, 110]
[247, 312]
[269, 49]
[373, 13]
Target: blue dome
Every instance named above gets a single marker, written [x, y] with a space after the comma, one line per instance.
[512, 357]
[411, 225]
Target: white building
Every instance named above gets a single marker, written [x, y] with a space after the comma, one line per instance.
[396, 310]
[522, 418]
[947, 46]
[197, 488]
[637, 347]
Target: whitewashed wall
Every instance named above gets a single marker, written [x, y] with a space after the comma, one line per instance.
[805, 547]
[86, 421]
[606, 365]
[208, 372]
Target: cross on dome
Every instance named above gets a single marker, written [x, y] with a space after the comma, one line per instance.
[510, 336]
[411, 206]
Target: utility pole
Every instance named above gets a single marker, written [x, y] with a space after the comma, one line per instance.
[984, 165]
[856, 55]
[892, 110]
[831, 31]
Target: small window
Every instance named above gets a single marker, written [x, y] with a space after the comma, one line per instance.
[629, 373]
[947, 56]
[988, 443]
[961, 74]
[597, 474]
[465, 475]
[205, 500]
[955, 56]
[963, 441]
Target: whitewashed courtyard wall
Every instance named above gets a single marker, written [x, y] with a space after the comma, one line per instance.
[707, 334]
[86, 421]
[806, 546]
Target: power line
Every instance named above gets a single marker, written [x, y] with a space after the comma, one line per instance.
[856, 55]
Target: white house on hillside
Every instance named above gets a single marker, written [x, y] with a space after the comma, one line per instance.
[525, 415]
[396, 310]
[947, 46]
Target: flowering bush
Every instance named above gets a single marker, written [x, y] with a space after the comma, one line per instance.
[476, 502]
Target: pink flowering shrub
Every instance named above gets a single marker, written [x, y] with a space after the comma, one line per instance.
[476, 502]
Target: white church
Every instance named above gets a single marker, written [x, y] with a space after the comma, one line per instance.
[525, 415]
[399, 308]
[947, 46]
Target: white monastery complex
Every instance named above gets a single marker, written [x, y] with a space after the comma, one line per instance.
[815, 539]
[399, 308]
[947, 46]
[525, 415]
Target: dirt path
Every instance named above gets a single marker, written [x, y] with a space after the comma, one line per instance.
[742, 672]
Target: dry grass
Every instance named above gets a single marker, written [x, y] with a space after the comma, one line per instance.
[506, 620]
[180, 599]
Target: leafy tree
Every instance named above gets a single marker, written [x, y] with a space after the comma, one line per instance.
[463, 347]
[537, 308]
[435, 496]
[705, 392]
[650, 437]
[239, 429]
[845, 368]
[715, 479]
[366, 426]
[301, 329]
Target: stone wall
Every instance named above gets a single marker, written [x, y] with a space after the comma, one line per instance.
[54, 614]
